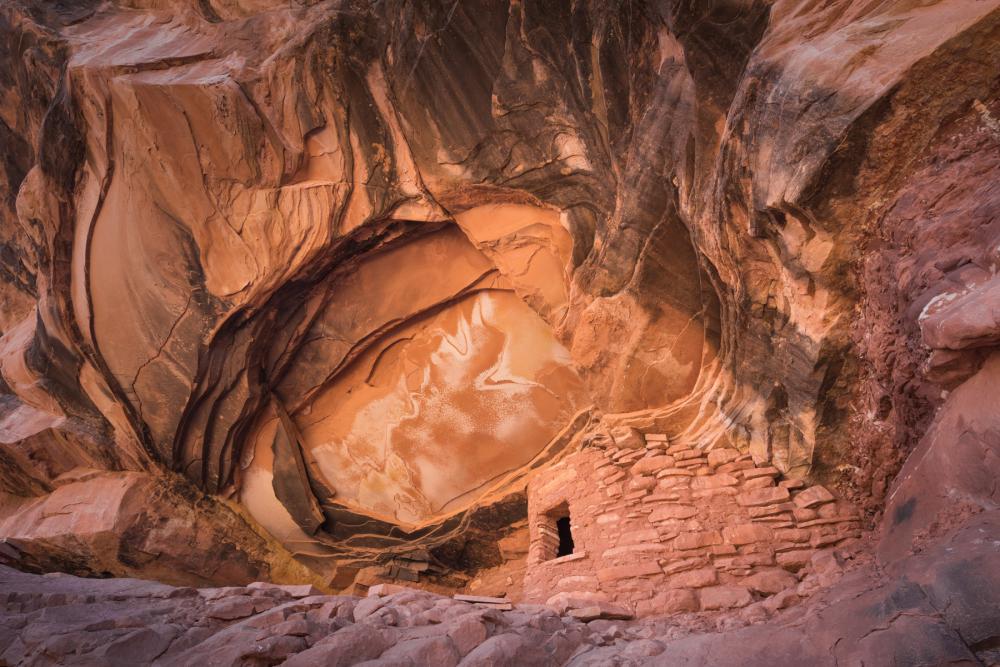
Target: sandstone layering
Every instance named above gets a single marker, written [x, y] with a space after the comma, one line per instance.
[656, 331]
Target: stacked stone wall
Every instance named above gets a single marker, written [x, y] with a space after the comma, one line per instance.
[661, 528]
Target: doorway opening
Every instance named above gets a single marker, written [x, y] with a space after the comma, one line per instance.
[555, 530]
[565, 547]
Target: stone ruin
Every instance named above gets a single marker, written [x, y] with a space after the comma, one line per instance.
[659, 527]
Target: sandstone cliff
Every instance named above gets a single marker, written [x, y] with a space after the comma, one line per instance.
[349, 293]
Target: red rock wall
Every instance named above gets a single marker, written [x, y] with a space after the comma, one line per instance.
[364, 267]
[362, 292]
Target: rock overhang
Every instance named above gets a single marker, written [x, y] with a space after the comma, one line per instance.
[679, 224]
[424, 377]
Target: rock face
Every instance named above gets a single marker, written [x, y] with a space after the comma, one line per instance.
[629, 308]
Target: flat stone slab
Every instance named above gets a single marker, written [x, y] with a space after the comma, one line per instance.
[601, 610]
[480, 599]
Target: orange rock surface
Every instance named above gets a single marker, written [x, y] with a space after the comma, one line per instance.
[630, 309]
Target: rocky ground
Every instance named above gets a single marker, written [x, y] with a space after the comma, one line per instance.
[932, 608]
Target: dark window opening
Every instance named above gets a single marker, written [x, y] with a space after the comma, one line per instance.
[565, 537]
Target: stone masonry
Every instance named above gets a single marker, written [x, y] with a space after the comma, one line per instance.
[660, 528]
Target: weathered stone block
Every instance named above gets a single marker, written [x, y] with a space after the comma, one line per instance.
[644, 569]
[633, 549]
[812, 497]
[674, 484]
[735, 466]
[756, 483]
[714, 481]
[794, 559]
[770, 510]
[705, 576]
[824, 538]
[687, 541]
[227, 609]
[760, 497]
[615, 476]
[605, 610]
[803, 514]
[768, 471]
[658, 498]
[668, 602]
[652, 464]
[674, 565]
[724, 597]
[566, 600]
[641, 483]
[747, 533]
[466, 633]
[668, 512]
[771, 581]
[627, 437]
[711, 493]
[639, 536]
[717, 457]
[723, 550]
[674, 472]
[381, 590]
[792, 535]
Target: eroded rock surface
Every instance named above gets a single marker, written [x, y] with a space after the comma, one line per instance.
[358, 293]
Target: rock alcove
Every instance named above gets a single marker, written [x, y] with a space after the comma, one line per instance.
[367, 298]
[426, 378]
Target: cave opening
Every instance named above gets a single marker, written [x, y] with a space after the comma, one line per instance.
[565, 547]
